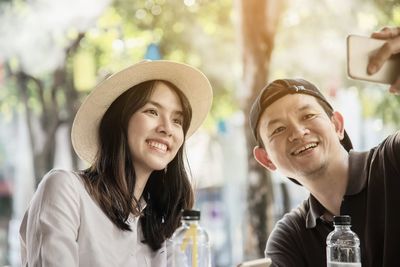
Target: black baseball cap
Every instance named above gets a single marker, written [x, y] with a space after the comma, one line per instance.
[279, 88]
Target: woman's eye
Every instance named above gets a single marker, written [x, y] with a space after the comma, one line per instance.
[151, 111]
[178, 121]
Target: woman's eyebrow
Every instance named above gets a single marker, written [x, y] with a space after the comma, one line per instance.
[160, 106]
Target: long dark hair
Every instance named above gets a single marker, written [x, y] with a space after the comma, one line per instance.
[111, 179]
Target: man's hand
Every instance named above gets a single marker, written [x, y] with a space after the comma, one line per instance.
[391, 47]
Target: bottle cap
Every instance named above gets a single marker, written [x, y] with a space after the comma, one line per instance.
[191, 215]
[342, 220]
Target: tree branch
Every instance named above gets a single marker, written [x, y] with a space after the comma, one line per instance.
[22, 80]
[75, 44]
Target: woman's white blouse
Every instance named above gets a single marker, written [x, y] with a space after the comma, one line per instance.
[64, 226]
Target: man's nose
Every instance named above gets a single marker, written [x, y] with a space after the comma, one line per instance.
[298, 131]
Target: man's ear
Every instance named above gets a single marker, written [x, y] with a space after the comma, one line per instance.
[262, 157]
[337, 120]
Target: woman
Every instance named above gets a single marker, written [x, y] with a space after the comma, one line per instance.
[119, 212]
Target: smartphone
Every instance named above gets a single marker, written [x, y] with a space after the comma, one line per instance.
[264, 262]
[359, 50]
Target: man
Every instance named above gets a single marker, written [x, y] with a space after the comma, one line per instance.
[299, 133]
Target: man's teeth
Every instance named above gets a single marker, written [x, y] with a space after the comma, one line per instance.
[157, 145]
[304, 148]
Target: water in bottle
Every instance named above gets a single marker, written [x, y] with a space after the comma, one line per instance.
[190, 244]
[342, 244]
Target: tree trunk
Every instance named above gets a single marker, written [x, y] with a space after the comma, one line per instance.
[42, 130]
[43, 126]
[259, 20]
[71, 95]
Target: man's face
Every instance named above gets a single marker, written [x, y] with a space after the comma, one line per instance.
[300, 139]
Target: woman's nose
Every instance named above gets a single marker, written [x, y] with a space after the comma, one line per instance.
[165, 126]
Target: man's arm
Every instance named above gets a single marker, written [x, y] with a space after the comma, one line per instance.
[292, 244]
[281, 247]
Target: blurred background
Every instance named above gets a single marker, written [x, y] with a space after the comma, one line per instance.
[53, 52]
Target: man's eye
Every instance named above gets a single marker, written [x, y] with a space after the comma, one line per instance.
[278, 130]
[309, 116]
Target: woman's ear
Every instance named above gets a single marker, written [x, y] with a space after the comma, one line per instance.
[262, 157]
[338, 121]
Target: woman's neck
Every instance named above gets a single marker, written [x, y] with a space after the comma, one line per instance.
[141, 181]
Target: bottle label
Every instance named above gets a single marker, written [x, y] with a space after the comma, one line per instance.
[191, 234]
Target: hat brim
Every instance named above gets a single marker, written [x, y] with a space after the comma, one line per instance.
[192, 82]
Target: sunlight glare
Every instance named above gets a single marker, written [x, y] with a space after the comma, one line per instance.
[140, 14]
[189, 2]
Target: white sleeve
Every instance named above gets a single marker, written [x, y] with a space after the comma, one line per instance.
[49, 230]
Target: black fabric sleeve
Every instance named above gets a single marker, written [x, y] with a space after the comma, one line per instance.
[291, 243]
[282, 246]
[390, 153]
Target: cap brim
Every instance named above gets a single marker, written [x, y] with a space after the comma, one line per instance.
[192, 82]
[346, 142]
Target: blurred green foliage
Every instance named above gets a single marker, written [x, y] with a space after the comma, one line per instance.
[204, 33]
[199, 33]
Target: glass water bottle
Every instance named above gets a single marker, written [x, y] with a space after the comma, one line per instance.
[342, 244]
[190, 244]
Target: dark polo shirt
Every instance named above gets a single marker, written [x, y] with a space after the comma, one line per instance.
[372, 200]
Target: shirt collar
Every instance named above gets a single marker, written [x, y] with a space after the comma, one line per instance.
[357, 181]
[357, 175]
[315, 212]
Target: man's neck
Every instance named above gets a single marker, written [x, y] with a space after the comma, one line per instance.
[331, 186]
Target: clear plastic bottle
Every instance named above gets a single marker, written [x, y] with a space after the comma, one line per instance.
[189, 245]
[342, 244]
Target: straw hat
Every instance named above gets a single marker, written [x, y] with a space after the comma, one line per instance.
[192, 82]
